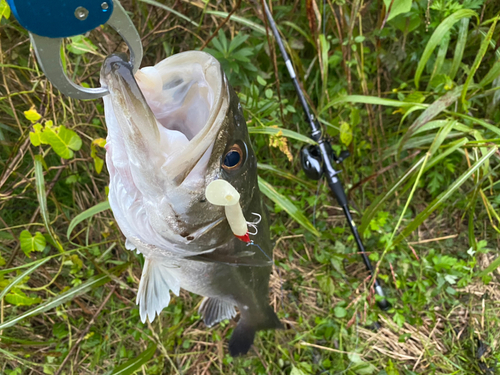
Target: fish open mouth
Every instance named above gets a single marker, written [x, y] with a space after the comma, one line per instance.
[168, 115]
[182, 92]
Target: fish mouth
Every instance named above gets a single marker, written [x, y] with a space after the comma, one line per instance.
[168, 115]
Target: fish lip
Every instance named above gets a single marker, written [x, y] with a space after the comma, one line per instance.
[118, 76]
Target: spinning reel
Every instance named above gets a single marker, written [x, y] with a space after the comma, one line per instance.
[312, 162]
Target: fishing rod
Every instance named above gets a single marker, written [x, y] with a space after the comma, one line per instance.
[317, 160]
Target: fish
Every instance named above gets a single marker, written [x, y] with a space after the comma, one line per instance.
[173, 129]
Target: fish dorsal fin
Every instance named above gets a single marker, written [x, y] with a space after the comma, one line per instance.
[214, 310]
[156, 282]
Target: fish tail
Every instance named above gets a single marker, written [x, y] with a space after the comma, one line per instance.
[244, 333]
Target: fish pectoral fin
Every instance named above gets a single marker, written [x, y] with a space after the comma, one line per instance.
[156, 282]
[214, 310]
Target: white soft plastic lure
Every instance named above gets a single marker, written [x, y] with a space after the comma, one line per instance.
[222, 193]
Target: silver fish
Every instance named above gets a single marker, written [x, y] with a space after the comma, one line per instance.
[173, 129]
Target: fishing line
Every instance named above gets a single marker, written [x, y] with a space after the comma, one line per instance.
[278, 267]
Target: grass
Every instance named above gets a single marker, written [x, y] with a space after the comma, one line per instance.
[413, 97]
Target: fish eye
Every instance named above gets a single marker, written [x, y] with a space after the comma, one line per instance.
[233, 158]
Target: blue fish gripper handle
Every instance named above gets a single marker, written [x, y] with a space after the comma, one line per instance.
[61, 19]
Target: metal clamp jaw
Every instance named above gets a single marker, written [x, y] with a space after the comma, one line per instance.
[48, 22]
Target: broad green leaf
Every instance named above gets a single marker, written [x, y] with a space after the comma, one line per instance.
[477, 61]
[419, 219]
[296, 371]
[32, 115]
[287, 205]
[69, 295]
[36, 136]
[364, 368]
[30, 243]
[134, 364]
[436, 38]
[407, 23]
[22, 275]
[340, 312]
[398, 7]
[345, 133]
[4, 10]
[274, 130]
[103, 206]
[63, 141]
[101, 142]
[99, 163]
[80, 45]
[180, 15]
[18, 298]
[326, 284]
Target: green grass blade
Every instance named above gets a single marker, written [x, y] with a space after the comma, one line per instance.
[241, 20]
[495, 129]
[163, 6]
[285, 174]
[372, 210]
[491, 75]
[451, 147]
[271, 130]
[441, 136]
[103, 206]
[42, 199]
[22, 275]
[134, 364]
[364, 99]
[437, 36]
[91, 283]
[438, 124]
[492, 267]
[441, 55]
[477, 61]
[419, 219]
[300, 31]
[434, 109]
[460, 47]
[287, 205]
